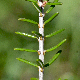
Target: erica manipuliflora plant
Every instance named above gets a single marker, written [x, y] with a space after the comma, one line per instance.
[39, 6]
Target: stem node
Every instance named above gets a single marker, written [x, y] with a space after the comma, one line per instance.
[39, 52]
[44, 52]
[41, 70]
[41, 38]
[43, 26]
[38, 26]
[41, 15]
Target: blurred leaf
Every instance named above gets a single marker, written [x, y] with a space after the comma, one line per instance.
[51, 18]
[34, 79]
[55, 47]
[25, 34]
[31, 1]
[55, 3]
[59, 79]
[53, 59]
[26, 61]
[51, 7]
[54, 33]
[40, 63]
[28, 20]
[37, 7]
[36, 33]
[22, 49]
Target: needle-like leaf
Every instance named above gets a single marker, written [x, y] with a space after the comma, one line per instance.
[51, 18]
[40, 63]
[55, 3]
[36, 33]
[25, 34]
[26, 61]
[53, 59]
[34, 79]
[32, 1]
[37, 7]
[28, 20]
[46, 65]
[54, 33]
[55, 47]
[22, 49]
[51, 7]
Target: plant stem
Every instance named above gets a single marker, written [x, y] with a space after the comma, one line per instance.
[41, 42]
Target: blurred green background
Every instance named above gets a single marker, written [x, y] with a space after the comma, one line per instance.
[67, 66]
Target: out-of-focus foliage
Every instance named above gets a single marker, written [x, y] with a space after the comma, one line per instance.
[67, 66]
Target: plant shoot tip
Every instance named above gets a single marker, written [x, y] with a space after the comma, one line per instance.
[65, 39]
[57, 12]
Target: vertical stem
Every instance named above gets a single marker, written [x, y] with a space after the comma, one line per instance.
[41, 42]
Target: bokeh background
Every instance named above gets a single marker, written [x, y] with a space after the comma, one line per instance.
[67, 66]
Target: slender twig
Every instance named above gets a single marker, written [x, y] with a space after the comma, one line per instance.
[40, 62]
[41, 42]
